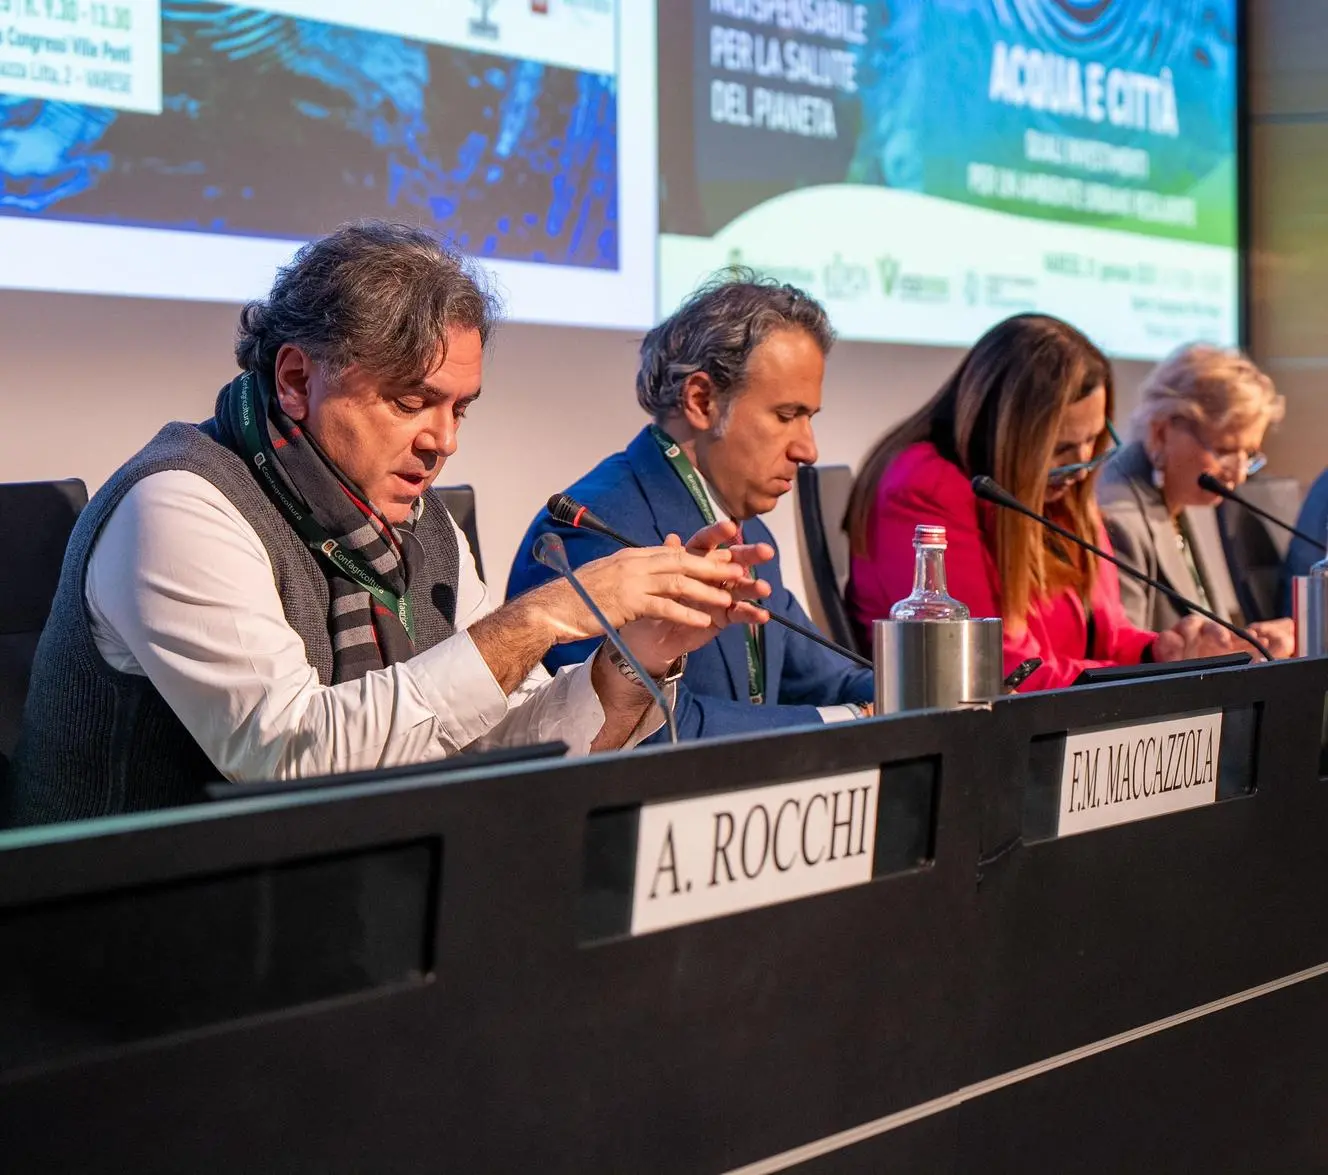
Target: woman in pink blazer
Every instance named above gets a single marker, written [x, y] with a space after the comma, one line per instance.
[1028, 406]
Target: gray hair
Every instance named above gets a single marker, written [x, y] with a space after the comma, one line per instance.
[715, 332]
[376, 294]
[1215, 387]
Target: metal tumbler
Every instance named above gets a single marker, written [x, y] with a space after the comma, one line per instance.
[925, 664]
[1309, 611]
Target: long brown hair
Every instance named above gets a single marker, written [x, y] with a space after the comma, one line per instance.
[998, 415]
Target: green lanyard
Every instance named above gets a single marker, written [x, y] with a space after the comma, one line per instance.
[258, 450]
[687, 474]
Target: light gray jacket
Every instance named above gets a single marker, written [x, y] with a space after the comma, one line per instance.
[1143, 535]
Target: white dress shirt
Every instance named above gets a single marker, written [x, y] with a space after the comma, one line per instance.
[835, 713]
[180, 589]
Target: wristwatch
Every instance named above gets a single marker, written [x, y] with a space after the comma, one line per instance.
[619, 662]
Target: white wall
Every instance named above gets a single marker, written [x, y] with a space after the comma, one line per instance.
[85, 381]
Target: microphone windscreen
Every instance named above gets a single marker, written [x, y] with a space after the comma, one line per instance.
[1208, 482]
[550, 551]
[563, 509]
[988, 489]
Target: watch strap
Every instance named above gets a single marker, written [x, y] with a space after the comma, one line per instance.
[619, 662]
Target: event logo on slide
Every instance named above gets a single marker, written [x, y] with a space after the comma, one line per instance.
[934, 139]
[910, 287]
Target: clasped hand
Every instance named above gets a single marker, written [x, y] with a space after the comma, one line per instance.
[1196, 636]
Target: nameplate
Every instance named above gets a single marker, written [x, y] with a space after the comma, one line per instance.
[721, 854]
[1118, 774]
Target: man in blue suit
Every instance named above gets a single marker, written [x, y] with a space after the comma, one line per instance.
[1301, 556]
[732, 381]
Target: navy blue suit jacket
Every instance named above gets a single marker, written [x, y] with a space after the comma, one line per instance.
[639, 495]
[1313, 519]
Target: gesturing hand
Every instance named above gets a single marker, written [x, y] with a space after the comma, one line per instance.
[658, 583]
[711, 539]
[658, 643]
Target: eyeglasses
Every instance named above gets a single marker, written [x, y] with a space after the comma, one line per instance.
[1252, 459]
[1061, 473]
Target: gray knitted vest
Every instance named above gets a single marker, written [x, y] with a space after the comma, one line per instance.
[96, 741]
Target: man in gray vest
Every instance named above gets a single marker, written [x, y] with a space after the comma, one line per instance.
[277, 593]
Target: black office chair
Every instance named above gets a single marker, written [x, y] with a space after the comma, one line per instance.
[35, 520]
[1256, 550]
[460, 502]
[823, 492]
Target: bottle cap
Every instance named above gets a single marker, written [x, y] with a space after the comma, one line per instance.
[929, 536]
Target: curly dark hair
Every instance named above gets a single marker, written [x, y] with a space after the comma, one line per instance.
[376, 294]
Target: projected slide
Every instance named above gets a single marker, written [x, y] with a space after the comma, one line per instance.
[195, 141]
[928, 167]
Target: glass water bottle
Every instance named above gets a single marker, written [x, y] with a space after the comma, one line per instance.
[929, 599]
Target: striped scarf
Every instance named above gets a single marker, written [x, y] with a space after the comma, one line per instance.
[308, 487]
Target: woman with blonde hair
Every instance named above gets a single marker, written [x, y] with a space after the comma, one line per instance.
[1027, 406]
[1202, 410]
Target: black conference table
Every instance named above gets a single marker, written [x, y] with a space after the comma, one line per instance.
[1077, 931]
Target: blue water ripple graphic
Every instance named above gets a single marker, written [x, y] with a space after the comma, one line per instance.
[282, 126]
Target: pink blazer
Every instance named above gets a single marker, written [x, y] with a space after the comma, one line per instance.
[922, 486]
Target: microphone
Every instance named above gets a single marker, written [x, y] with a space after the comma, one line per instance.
[570, 512]
[992, 491]
[550, 551]
[1208, 482]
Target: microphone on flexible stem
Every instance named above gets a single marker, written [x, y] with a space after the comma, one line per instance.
[990, 490]
[570, 512]
[550, 551]
[1208, 482]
